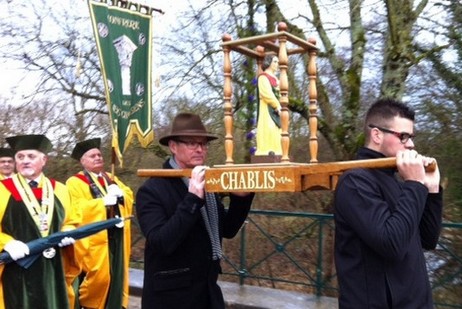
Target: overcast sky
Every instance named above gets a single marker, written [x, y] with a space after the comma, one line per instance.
[9, 75]
[161, 23]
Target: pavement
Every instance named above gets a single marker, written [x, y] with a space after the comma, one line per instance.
[246, 296]
[134, 302]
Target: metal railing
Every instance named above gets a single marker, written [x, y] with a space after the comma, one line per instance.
[294, 251]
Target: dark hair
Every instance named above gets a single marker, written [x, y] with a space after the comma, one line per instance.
[267, 61]
[384, 110]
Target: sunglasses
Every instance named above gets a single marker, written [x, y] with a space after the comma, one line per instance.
[403, 136]
[193, 145]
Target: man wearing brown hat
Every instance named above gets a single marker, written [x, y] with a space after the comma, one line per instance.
[6, 163]
[184, 225]
[33, 206]
[104, 255]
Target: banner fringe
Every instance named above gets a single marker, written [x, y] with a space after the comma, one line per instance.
[135, 126]
[141, 8]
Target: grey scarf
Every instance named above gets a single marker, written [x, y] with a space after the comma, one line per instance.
[209, 215]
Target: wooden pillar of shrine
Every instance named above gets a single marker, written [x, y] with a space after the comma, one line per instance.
[313, 105]
[284, 89]
[228, 106]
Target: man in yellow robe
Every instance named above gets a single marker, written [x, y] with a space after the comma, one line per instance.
[105, 255]
[34, 206]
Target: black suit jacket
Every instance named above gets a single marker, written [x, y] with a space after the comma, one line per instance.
[179, 270]
[382, 226]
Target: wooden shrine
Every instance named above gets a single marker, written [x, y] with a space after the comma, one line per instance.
[284, 176]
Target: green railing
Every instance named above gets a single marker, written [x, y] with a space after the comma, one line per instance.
[284, 249]
[294, 251]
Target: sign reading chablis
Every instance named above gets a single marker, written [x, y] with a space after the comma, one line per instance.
[123, 38]
[252, 179]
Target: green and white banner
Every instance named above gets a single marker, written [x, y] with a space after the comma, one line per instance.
[123, 38]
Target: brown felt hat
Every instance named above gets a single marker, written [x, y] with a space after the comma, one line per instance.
[82, 147]
[186, 124]
[33, 141]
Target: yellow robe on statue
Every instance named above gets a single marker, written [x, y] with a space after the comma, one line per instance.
[94, 251]
[268, 133]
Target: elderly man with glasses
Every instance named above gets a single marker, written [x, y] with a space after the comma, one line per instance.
[184, 225]
[386, 218]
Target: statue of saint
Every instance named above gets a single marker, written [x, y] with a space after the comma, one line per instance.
[269, 109]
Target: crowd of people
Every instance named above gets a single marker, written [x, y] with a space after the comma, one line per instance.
[385, 218]
[183, 225]
[90, 272]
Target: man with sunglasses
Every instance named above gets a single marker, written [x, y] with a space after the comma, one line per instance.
[386, 218]
[184, 225]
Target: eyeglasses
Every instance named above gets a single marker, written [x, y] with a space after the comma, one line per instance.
[403, 136]
[193, 145]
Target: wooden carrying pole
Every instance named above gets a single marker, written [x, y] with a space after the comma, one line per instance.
[275, 177]
[333, 167]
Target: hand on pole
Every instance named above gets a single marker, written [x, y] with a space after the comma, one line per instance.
[410, 165]
[121, 224]
[197, 181]
[110, 200]
[115, 190]
[17, 249]
[66, 241]
[433, 177]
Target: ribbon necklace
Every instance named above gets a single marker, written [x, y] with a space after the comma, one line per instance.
[97, 189]
[41, 212]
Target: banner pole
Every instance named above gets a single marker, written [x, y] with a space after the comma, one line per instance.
[110, 213]
[113, 160]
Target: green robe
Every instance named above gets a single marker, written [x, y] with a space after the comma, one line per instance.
[43, 284]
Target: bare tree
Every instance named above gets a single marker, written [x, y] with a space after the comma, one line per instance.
[61, 70]
[375, 45]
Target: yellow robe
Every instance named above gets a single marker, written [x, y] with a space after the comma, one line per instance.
[94, 250]
[71, 221]
[268, 133]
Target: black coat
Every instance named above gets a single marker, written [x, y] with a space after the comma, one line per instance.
[179, 270]
[382, 226]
